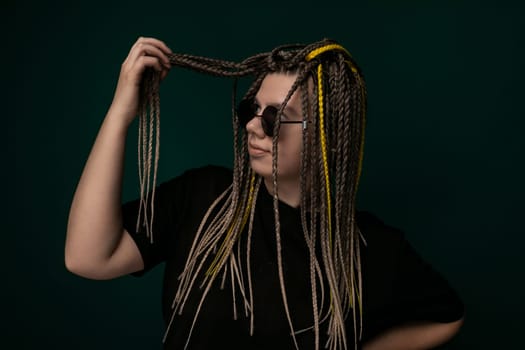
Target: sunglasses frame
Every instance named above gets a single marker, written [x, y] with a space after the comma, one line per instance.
[246, 112]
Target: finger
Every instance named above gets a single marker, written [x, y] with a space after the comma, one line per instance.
[144, 49]
[141, 42]
[158, 43]
[148, 61]
[155, 42]
[164, 74]
[132, 54]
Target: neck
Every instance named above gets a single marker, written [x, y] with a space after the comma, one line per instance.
[288, 192]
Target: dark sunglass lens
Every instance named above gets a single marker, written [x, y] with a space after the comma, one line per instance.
[268, 119]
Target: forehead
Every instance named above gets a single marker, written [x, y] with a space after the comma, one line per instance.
[275, 87]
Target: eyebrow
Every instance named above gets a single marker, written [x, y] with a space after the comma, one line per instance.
[287, 109]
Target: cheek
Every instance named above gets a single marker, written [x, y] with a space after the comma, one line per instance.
[290, 151]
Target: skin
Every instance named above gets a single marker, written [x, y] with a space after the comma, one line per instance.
[415, 336]
[272, 92]
[98, 247]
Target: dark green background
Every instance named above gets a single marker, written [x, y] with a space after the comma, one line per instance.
[444, 152]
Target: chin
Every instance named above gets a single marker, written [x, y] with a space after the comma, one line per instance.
[261, 167]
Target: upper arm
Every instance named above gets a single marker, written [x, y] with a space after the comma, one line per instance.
[126, 259]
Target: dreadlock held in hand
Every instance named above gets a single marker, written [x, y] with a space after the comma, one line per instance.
[333, 99]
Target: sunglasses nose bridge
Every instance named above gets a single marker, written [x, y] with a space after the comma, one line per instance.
[246, 113]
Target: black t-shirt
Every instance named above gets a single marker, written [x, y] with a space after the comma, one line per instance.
[398, 286]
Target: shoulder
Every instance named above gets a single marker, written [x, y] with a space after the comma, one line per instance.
[376, 233]
[384, 247]
[208, 172]
[194, 187]
[206, 178]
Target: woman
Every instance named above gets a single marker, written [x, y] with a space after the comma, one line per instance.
[273, 253]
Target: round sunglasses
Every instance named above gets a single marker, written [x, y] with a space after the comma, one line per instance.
[247, 110]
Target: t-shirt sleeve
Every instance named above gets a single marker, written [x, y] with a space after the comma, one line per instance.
[179, 205]
[169, 204]
[401, 286]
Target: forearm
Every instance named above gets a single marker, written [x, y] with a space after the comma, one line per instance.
[95, 224]
[414, 336]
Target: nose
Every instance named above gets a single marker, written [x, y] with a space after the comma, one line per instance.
[254, 126]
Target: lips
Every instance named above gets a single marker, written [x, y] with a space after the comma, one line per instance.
[255, 150]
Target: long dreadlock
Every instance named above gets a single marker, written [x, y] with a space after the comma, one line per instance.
[331, 158]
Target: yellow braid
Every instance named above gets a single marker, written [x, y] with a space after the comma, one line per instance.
[221, 256]
[314, 53]
[323, 150]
